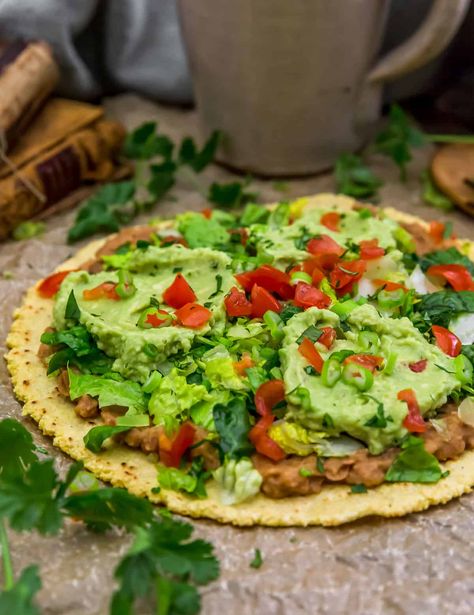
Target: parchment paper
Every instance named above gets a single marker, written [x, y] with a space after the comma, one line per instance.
[420, 564]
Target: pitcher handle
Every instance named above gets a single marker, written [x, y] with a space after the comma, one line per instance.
[431, 38]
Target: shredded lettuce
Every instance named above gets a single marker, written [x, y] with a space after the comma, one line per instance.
[238, 480]
[109, 392]
[172, 478]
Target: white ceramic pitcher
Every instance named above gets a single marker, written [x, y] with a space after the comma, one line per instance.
[292, 83]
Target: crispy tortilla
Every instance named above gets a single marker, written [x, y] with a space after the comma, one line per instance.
[125, 467]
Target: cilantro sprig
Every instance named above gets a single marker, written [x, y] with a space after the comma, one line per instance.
[163, 564]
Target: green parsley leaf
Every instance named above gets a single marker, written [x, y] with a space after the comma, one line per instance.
[28, 500]
[104, 508]
[77, 338]
[432, 194]
[414, 464]
[313, 333]
[106, 210]
[327, 422]
[17, 449]
[164, 563]
[162, 180]
[440, 307]
[354, 178]
[218, 286]
[199, 160]
[28, 230]
[360, 488]
[233, 426]
[320, 465]
[19, 599]
[397, 139]
[289, 311]
[257, 559]
[379, 420]
[72, 311]
[144, 143]
[232, 194]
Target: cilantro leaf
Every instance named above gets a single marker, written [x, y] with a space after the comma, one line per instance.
[414, 464]
[257, 559]
[28, 500]
[72, 311]
[162, 179]
[17, 449]
[289, 311]
[359, 488]
[233, 426]
[103, 508]
[397, 139]
[451, 256]
[144, 143]
[104, 211]
[313, 333]
[19, 599]
[432, 194]
[199, 160]
[77, 338]
[232, 194]
[354, 178]
[379, 420]
[440, 307]
[163, 562]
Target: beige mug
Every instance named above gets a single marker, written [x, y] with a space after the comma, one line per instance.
[292, 83]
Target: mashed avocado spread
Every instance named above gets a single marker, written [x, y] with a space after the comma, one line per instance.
[274, 335]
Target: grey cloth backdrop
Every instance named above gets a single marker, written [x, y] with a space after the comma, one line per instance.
[108, 46]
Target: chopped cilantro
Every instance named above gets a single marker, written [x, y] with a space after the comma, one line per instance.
[414, 464]
[305, 473]
[354, 178]
[328, 423]
[313, 333]
[360, 488]
[257, 559]
[320, 465]
[218, 286]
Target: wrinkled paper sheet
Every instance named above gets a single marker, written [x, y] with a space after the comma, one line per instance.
[420, 564]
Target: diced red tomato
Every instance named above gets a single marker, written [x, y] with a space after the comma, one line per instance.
[317, 276]
[328, 337]
[50, 285]
[457, 276]
[193, 315]
[418, 366]
[369, 361]
[207, 212]
[241, 366]
[179, 293]
[331, 220]
[259, 437]
[308, 296]
[449, 343]
[325, 250]
[309, 352]
[389, 285]
[344, 275]
[269, 278]
[237, 304]
[171, 451]
[106, 290]
[413, 421]
[158, 318]
[263, 301]
[436, 231]
[370, 249]
[268, 395]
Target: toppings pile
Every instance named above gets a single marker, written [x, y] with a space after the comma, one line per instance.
[263, 350]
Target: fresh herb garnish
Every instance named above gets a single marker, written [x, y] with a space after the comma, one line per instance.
[233, 194]
[440, 307]
[451, 256]
[360, 488]
[354, 178]
[328, 422]
[309, 369]
[72, 311]
[320, 465]
[233, 426]
[305, 473]
[218, 286]
[257, 559]
[313, 333]
[28, 230]
[398, 137]
[380, 420]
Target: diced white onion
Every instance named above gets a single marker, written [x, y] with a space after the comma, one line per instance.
[466, 411]
[419, 282]
[463, 327]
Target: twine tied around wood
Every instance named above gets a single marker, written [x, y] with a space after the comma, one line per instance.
[16, 171]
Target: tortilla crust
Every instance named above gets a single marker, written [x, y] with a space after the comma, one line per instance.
[133, 470]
